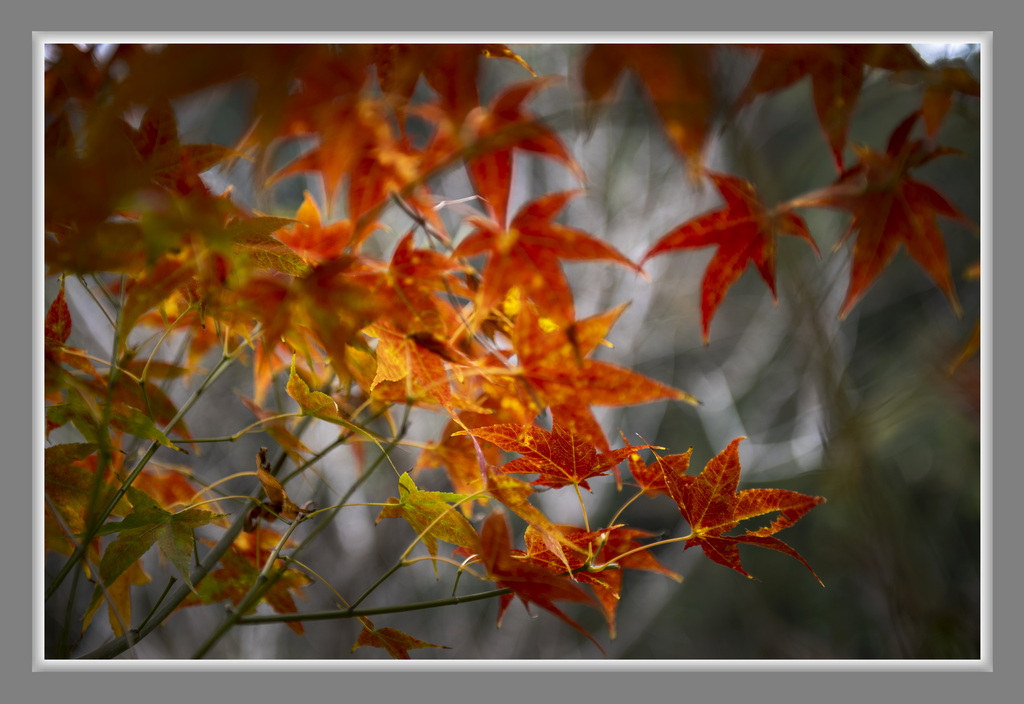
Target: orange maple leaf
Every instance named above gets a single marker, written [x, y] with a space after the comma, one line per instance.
[677, 79]
[557, 371]
[450, 69]
[837, 74]
[527, 254]
[711, 505]
[397, 643]
[355, 140]
[502, 127]
[597, 548]
[312, 239]
[744, 231]
[889, 209]
[531, 581]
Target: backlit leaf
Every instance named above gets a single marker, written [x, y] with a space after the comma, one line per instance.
[890, 209]
[744, 232]
[527, 255]
[711, 504]
[147, 524]
[559, 457]
[397, 644]
[431, 515]
[836, 72]
[532, 582]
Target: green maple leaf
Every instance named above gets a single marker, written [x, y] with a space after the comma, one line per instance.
[147, 524]
[431, 515]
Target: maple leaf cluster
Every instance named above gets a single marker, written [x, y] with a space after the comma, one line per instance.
[355, 321]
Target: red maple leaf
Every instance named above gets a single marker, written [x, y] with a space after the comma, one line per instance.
[531, 581]
[651, 477]
[889, 209]
[712, 506]
[559, 457]
[397, 643]
[940, 84]
[597, 548]
[744, 231]
[837, 74]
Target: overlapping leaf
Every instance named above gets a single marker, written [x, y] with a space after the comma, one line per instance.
[712, 506]
[88, 419]
[147, 524]
[431, 515]
[532, 582]
[240, 566]
[597, 548]
[515, 495]
[73, 490]
[527, 254]
[556, 369]
[450, 69]
[500, 129]
[311, 238]
[890, 209]
[836, 72]
[745, 232]
[651, 477]
[678, 79]
[174, 165]
[559, 457]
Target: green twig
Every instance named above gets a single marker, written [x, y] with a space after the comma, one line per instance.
[351, 613]
[260, 586]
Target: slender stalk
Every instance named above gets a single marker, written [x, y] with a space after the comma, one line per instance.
[252, 597]
[236, 436]
[256, 619]
[583, 507]
[612, 562]
[170, 583]
[624, 507]
[64, 645]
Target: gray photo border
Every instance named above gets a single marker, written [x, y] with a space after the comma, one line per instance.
[487, 680]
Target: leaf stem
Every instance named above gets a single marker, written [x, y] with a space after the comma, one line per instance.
[624, 506]
[156, 604]
[583, 507]
[617, 558]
